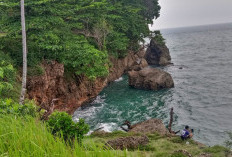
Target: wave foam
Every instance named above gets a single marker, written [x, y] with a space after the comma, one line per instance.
[120, 79]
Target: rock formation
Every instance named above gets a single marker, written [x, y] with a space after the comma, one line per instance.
[157, 54]
[71, 92]
[132, 142]
[131, 62]
[150, 126]
[151, 79]
[74, 91]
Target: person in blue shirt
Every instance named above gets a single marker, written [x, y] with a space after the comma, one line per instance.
[186, 133]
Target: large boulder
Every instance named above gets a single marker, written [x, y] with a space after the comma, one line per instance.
[157, 54]
[150, 78]
[150, 126]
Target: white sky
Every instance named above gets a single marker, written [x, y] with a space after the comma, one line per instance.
[181, 13]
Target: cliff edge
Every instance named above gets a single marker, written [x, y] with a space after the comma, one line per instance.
[72, 91]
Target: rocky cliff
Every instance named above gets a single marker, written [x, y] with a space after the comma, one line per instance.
[74, 91]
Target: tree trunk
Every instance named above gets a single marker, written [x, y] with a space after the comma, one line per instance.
[24, 44]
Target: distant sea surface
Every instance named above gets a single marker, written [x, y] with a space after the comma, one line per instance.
[202, 97]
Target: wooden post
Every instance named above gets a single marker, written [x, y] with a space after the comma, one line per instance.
[170, 122]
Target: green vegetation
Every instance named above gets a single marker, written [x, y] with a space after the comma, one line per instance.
[229, 142]
[7, 75]
[35, 71]
[23, 134]
[81, 34]
[2, 34]
[8, 106]
[161, 146]
[29, 137]
[218, 151]
[61, 124]
[157, 36]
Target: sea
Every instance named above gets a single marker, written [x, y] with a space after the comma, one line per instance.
[201, 98]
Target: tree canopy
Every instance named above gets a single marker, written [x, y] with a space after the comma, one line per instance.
[79, 33]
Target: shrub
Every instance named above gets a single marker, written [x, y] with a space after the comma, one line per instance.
[159, 38]
[7, 75]
[61, 124]
[8, 106]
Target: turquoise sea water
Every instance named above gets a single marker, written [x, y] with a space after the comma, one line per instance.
[202, 97]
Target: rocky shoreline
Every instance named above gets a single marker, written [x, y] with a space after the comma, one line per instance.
[143, 135]
[73, 91]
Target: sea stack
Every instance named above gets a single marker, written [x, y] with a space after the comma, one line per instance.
[150, 79]
[157, 54]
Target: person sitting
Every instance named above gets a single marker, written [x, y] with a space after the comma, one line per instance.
[186, 133]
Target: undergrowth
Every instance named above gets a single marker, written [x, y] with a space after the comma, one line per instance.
[27, 136]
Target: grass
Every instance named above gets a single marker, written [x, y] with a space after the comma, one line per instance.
[160, 146]
[29, 137]
[20, 136]
[217, 150]
[2, 34]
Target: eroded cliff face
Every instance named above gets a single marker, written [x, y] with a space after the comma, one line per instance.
[73, 91]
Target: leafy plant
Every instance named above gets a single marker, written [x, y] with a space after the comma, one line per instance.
[159, 38]
[7, 75]
[8, 106]
[61, 124]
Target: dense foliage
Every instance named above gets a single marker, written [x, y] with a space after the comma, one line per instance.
[79, 33]
[8, 106]
[61, 124]
[7, 75]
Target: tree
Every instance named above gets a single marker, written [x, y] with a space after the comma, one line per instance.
[24, 44]
[78, 33]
